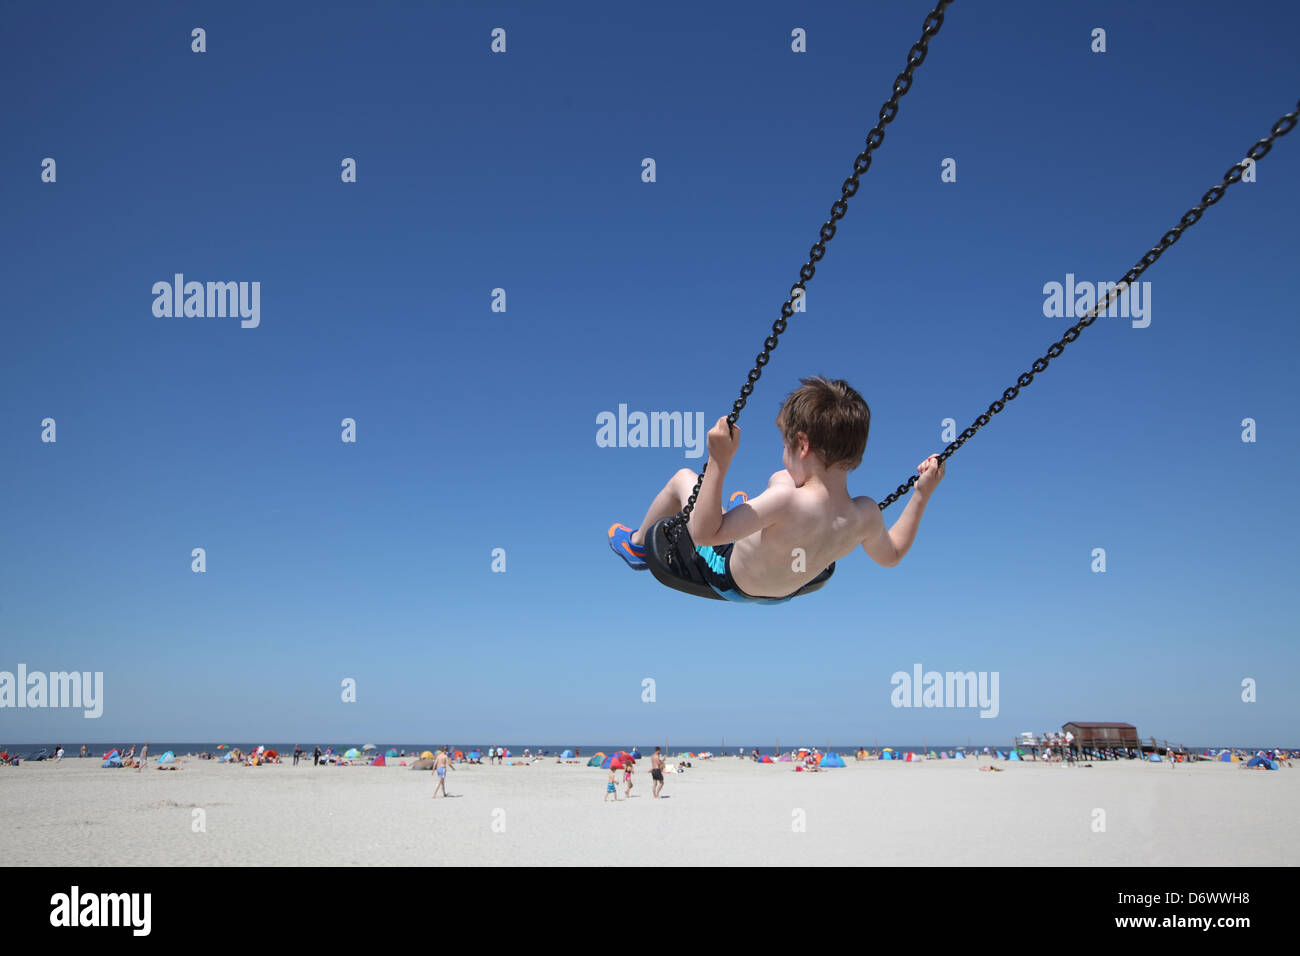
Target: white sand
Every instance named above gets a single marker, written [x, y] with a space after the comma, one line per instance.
[728, 811]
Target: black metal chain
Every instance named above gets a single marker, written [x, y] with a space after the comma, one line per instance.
[861, 163]
[1233, 175]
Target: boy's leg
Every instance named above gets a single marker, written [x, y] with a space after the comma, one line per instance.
[668, 502]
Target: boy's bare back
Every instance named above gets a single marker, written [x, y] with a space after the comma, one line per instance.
[805, 519]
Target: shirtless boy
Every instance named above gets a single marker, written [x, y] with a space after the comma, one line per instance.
[771, 545]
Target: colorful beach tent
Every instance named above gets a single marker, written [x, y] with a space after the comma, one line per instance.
[959, 755]
[167, 757]
[1154, 758]
[390, 752]
[911, 757]
[230, 755]
[476, 755]
[567, 755]
[1000, 755]
[636, 754]
[887, 754]
[616, 761]
[427, 755]
[1014, 755]
[596, 760]
[379, 761]
[352, 753]
[113, 759]
[766, 759]
[785, 758]
[1225, 757]
[832, 760]
[1262, 762]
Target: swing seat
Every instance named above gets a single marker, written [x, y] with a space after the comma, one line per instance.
[683, 575]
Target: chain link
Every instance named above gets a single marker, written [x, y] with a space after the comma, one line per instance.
[861, 163]
[1190, 218]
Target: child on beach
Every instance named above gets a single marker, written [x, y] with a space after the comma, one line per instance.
[627, 778]
[775, 543]
[611, 787]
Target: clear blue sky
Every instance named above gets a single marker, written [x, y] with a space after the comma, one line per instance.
[477, 429]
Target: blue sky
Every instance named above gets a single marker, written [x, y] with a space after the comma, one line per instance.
[476, 429]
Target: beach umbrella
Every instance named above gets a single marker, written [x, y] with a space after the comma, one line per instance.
[352, 753]
[636, 754]
[368, 747]
[427, 755]
[223, 747]
[390, 752]
[596, 760]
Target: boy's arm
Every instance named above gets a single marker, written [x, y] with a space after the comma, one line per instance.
[743, 520]
[888, 547]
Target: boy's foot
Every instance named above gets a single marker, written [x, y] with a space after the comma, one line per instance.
[620, 542]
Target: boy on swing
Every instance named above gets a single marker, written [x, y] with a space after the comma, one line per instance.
[768, 547]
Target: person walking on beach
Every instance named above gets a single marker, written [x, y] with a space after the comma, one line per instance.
[315, 756]
[627, 777]
[611, 786]
[144, 755]
[657, 772]
[440, 765]
[83, 750]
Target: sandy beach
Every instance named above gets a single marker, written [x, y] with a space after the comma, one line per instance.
[725, 811]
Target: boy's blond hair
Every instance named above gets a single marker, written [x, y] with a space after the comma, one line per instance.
[833, 415]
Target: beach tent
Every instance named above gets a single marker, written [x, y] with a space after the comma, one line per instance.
[1000, 755]
[785, 758]
[911, 757]
[168, 757]
[476, 755]
[1262, 762]
[1225, 757]
[427, 755]
[352, 753]
[1014, 755]
[596, 760]
[113, 759]
[567, 755]
[379, 761]
[1154, 758]
[942, 755]
[272, 755]
[390, 752]
[887, 754]
[616, 761]
[766, 759]
[959, 755]
[636, 754]
[832, 760]
[230, 755]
